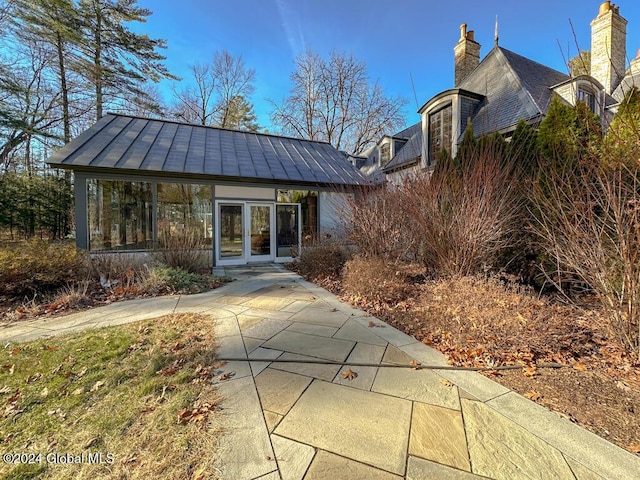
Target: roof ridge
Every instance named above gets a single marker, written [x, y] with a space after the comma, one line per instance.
[165, 120]
[521, 83]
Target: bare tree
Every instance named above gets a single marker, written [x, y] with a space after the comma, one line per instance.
[218, 91]
[335, 101]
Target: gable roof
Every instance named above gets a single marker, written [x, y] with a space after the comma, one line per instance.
[514, 88]
[136, 144]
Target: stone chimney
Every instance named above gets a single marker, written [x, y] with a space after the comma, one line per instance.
[608, 46]
[467, 55]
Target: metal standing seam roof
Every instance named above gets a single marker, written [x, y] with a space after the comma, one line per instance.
[123, 142]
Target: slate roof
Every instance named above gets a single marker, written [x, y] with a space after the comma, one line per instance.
[410, 151]
[136, 144]
[514, 87]
[632, 79]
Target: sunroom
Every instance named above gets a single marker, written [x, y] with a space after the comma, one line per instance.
[250, 197]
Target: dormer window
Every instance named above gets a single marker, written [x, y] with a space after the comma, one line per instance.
[385, 153]
[439, 132]
[588, 97]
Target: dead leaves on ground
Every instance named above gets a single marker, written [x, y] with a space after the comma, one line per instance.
[349, 374]
[196, 414]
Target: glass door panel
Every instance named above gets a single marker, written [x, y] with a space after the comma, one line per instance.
[231, 231]
[260, 230]
[287, 230]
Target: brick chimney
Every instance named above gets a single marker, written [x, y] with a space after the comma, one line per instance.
[467, 55]
[608, 46]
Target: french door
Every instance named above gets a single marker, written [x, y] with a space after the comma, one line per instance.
[256, 232]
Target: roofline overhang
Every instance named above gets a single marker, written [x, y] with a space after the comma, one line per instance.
[588, 78]
[401, 166]
[451, 92]
[122, 172]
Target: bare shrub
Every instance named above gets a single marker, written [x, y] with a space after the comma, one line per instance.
[588, 218]
[377, 224]
[118, 269]
[322, 259]
[373, 280]
[186, 249]
[37, 267]
[466, 216]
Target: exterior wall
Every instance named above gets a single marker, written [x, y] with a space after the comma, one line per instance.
[467, 107]
[248, 193]
[332, 207]
[608, 46]
[331, 204]
[400, 176]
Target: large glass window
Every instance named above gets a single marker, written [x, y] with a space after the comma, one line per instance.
[184, 207]
[286, 230]
[439, 132]
[308, 200]
[120, 215]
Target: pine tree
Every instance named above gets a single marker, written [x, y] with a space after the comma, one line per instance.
[55, 23]
[622, 142]
[117, 60]
[239, 115]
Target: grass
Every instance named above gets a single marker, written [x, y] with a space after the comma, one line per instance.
[139, 392]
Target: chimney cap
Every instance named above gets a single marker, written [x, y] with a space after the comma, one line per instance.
[604, 8]
[463, 31]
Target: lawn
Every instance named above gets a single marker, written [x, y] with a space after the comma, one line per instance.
[133, 401]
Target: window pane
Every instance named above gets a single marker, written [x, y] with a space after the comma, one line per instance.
[439, 132]
[286, 230]
[308, 200]
[231, 231]
[184, 207]
[119, 215]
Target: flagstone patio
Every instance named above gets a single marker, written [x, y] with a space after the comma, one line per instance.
[306, 421]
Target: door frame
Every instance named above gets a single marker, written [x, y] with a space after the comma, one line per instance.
[251, 258]
[246, 256]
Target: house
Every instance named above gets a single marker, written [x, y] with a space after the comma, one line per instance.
[253, 196]
[496, 93]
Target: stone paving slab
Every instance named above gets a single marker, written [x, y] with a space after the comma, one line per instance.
[233, 347]
[321, 372]
[244, 451]
[420, 469]
[388, 333]
[279, 390]
[268, 303]
[419, 385]
[265, 328]
[293, 458]
[327, 466]
[311, 345]
[257, 367]
[442, 440]
[501, 449]
[362, 353]
[310, 329]
[352, 330]
[586, 448]
[320, 316]
[359, 425]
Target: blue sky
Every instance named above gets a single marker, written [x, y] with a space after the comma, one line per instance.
[396, 39]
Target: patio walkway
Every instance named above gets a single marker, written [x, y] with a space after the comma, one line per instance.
[305, 421]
